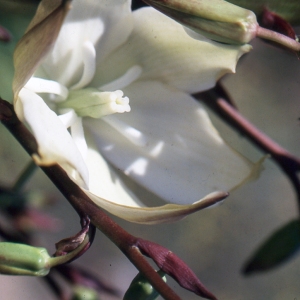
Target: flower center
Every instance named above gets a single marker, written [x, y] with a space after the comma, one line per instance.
[87, 102]
[91, 102]
[77, 101]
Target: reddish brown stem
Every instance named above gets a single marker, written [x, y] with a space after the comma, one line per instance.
[289, 163]
[278, 38]
[84, 206]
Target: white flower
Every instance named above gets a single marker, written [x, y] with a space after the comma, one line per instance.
[166, 142]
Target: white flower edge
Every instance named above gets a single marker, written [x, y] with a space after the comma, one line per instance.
[156, 215]
[55, 144]
[188, 162]
[124, 204]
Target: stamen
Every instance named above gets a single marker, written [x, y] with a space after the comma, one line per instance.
[89, 65]
[77, 133]
[68, 118]
[39, 85]
[130, 76]
[132, 134]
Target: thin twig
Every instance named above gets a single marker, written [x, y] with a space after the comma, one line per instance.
[289, 163]
[278, 38]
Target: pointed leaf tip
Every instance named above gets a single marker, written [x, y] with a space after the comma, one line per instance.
[281, 246]
[172, 265]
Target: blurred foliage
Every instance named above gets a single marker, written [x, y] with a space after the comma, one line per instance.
[15, 21]
[141, 289]
[84, 293]
[282, 245]
[288, 9]
[18, 6]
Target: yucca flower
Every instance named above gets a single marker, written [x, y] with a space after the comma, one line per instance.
[116, 87]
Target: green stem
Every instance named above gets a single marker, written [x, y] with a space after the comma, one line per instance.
[59, 260]
[26, 174]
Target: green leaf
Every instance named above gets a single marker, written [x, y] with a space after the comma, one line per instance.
[282, 245]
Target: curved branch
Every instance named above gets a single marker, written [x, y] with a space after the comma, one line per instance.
[217, 99]
[84, 206]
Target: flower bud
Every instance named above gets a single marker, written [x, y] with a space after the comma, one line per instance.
[5, 35]
[215, 19]
[141, 289]
[20, 259]
[84, 293]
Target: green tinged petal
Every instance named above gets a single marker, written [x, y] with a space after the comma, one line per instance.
[38, 39]
[169, 55]
[216, 19]
[156, 215]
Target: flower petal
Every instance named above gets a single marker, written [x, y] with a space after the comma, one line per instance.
[104, 183]
[168, 54]
[156, 215]
[168, 144]
[104, 23]
[55, 144]
[39, 38]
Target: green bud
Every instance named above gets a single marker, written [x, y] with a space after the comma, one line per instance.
[84, 293]
[141, 289]
[20, 259]
[215, 19]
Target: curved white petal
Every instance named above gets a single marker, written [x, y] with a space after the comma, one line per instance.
[89, 65]
[37, 41]
[104, 183]
[156, 215]
[39, 85]
[104, 23]
[77, 134]
[168, 54]
[180, 156]
[55, 144]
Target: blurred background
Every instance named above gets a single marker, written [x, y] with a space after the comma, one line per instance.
[215, 242]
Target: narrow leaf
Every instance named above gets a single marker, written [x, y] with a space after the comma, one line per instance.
[282, 245]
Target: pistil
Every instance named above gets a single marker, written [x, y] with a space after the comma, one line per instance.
[91, 102]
